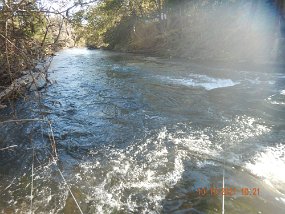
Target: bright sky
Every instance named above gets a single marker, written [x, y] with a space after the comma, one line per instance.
[55, 4]
[60, 5]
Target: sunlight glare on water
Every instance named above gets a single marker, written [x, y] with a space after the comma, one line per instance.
[269, 165]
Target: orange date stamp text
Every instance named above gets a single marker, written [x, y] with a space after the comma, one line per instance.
[228, 191]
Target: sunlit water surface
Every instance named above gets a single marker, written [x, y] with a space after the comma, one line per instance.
[139, 134]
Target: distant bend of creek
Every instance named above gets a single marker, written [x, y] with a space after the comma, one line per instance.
[140, 134]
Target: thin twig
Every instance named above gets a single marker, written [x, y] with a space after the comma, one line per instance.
[69, 188]
[54, 161]
[9, 147]
[23, 120]
[32, 182]
[19, 49]
[10, 184]
[53, 143]
[6, 50]
[223, 201]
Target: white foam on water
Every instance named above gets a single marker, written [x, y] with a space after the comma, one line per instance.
[277, 103]
[257, 81]
[204, 81]
[277, 99]
[243, 128]
[132, 172]
[139, 177]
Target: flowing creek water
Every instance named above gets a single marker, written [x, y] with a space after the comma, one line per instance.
[138, 134]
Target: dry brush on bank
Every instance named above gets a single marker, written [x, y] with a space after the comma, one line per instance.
[28, 35]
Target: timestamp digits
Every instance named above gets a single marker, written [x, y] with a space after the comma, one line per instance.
[228, 191]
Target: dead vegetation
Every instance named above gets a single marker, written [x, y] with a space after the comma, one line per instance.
[28, 37]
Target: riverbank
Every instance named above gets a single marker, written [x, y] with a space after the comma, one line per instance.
[242, 46]
[33, 80]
